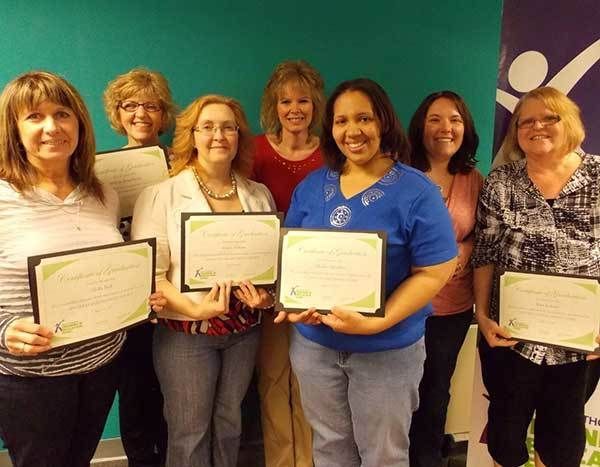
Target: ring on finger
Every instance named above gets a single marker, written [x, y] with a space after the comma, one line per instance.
[23, 347]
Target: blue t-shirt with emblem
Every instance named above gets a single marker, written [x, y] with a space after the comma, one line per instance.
[409, 208]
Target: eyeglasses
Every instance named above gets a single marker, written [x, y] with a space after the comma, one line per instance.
[131, 106]
[529, 123]
[209, 129]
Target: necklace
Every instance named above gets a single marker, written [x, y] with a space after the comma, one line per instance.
[445, 185]
[211, 193]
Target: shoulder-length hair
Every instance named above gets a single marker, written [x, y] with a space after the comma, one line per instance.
[27, 92]
[138, 80]
[184, 150]
[463, 160]
[291, 72]
[555, 101]
[394, 143]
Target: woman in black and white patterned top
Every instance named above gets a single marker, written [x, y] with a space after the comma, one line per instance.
[539, 213]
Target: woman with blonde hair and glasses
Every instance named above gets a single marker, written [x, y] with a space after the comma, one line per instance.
[205, 343]
[539, 213]
[139, 105]
[53, 402]
[291, 111]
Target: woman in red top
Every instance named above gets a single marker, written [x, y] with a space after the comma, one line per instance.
[444, 143]
[291, 110]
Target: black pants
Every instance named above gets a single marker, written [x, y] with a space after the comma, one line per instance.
[444, 336]
[55, 421]
[517, 387]
[143, 427]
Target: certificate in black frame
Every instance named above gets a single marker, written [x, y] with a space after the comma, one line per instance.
[185, 216]
[118, 154]
[379, 312]
[33, 261]
[502, 271]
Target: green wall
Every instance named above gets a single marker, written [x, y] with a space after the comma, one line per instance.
[229, 47]
[411, 48]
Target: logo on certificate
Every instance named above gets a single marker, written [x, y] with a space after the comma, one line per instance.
[517, 325]
[203, 274]
[298, 292]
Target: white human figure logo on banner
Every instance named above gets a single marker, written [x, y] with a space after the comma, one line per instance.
[529, 70]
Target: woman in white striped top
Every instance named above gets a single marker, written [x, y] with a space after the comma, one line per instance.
[53, 402]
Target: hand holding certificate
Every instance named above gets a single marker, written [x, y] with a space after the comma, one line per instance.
[86, 293]
[323, 269]
[550, 309]
[128, 171]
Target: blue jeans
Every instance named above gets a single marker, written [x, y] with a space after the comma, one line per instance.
[203, 380]
[55, 421]
[358, 404]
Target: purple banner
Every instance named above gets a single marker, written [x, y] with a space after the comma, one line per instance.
[554, 43]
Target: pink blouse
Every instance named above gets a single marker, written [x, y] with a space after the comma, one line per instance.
[457, 294]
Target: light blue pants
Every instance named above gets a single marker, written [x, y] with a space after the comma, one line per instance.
[203, 380]
[358, 404]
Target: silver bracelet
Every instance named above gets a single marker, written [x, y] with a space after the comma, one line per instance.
[271, 292]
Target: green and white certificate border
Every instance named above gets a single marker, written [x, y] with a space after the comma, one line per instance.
[378, 302]
[201, 219]
[34, 261]
[585, 338]
[153, 150]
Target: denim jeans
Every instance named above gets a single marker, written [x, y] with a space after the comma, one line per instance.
[203, 380]
[55, 421]
[444, 336]
[358, 404]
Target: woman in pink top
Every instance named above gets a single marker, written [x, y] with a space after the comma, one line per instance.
[291, 110]
[444, 143]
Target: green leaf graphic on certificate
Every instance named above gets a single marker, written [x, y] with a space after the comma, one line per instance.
[142, 252]
[195, 225]
[372, 242]
[586, 339]
[294, 240]
[367, 302]
[155, 153]
[141, 311]
[50, 269]
[289, 299]
[268, 274]
[59, 340]
[271, 224]
[589, 287]
[508, 281]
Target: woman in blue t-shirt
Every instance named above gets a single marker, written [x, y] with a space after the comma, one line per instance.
[359, 375]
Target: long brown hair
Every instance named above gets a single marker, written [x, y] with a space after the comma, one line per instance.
[28, 91]
[463, 160]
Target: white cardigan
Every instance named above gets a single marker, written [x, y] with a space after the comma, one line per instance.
[158, 211]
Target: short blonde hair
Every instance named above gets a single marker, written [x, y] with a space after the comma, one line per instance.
[138, 80]
[184, 150]
[291, 72]
[27, 92]
[557, 102]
